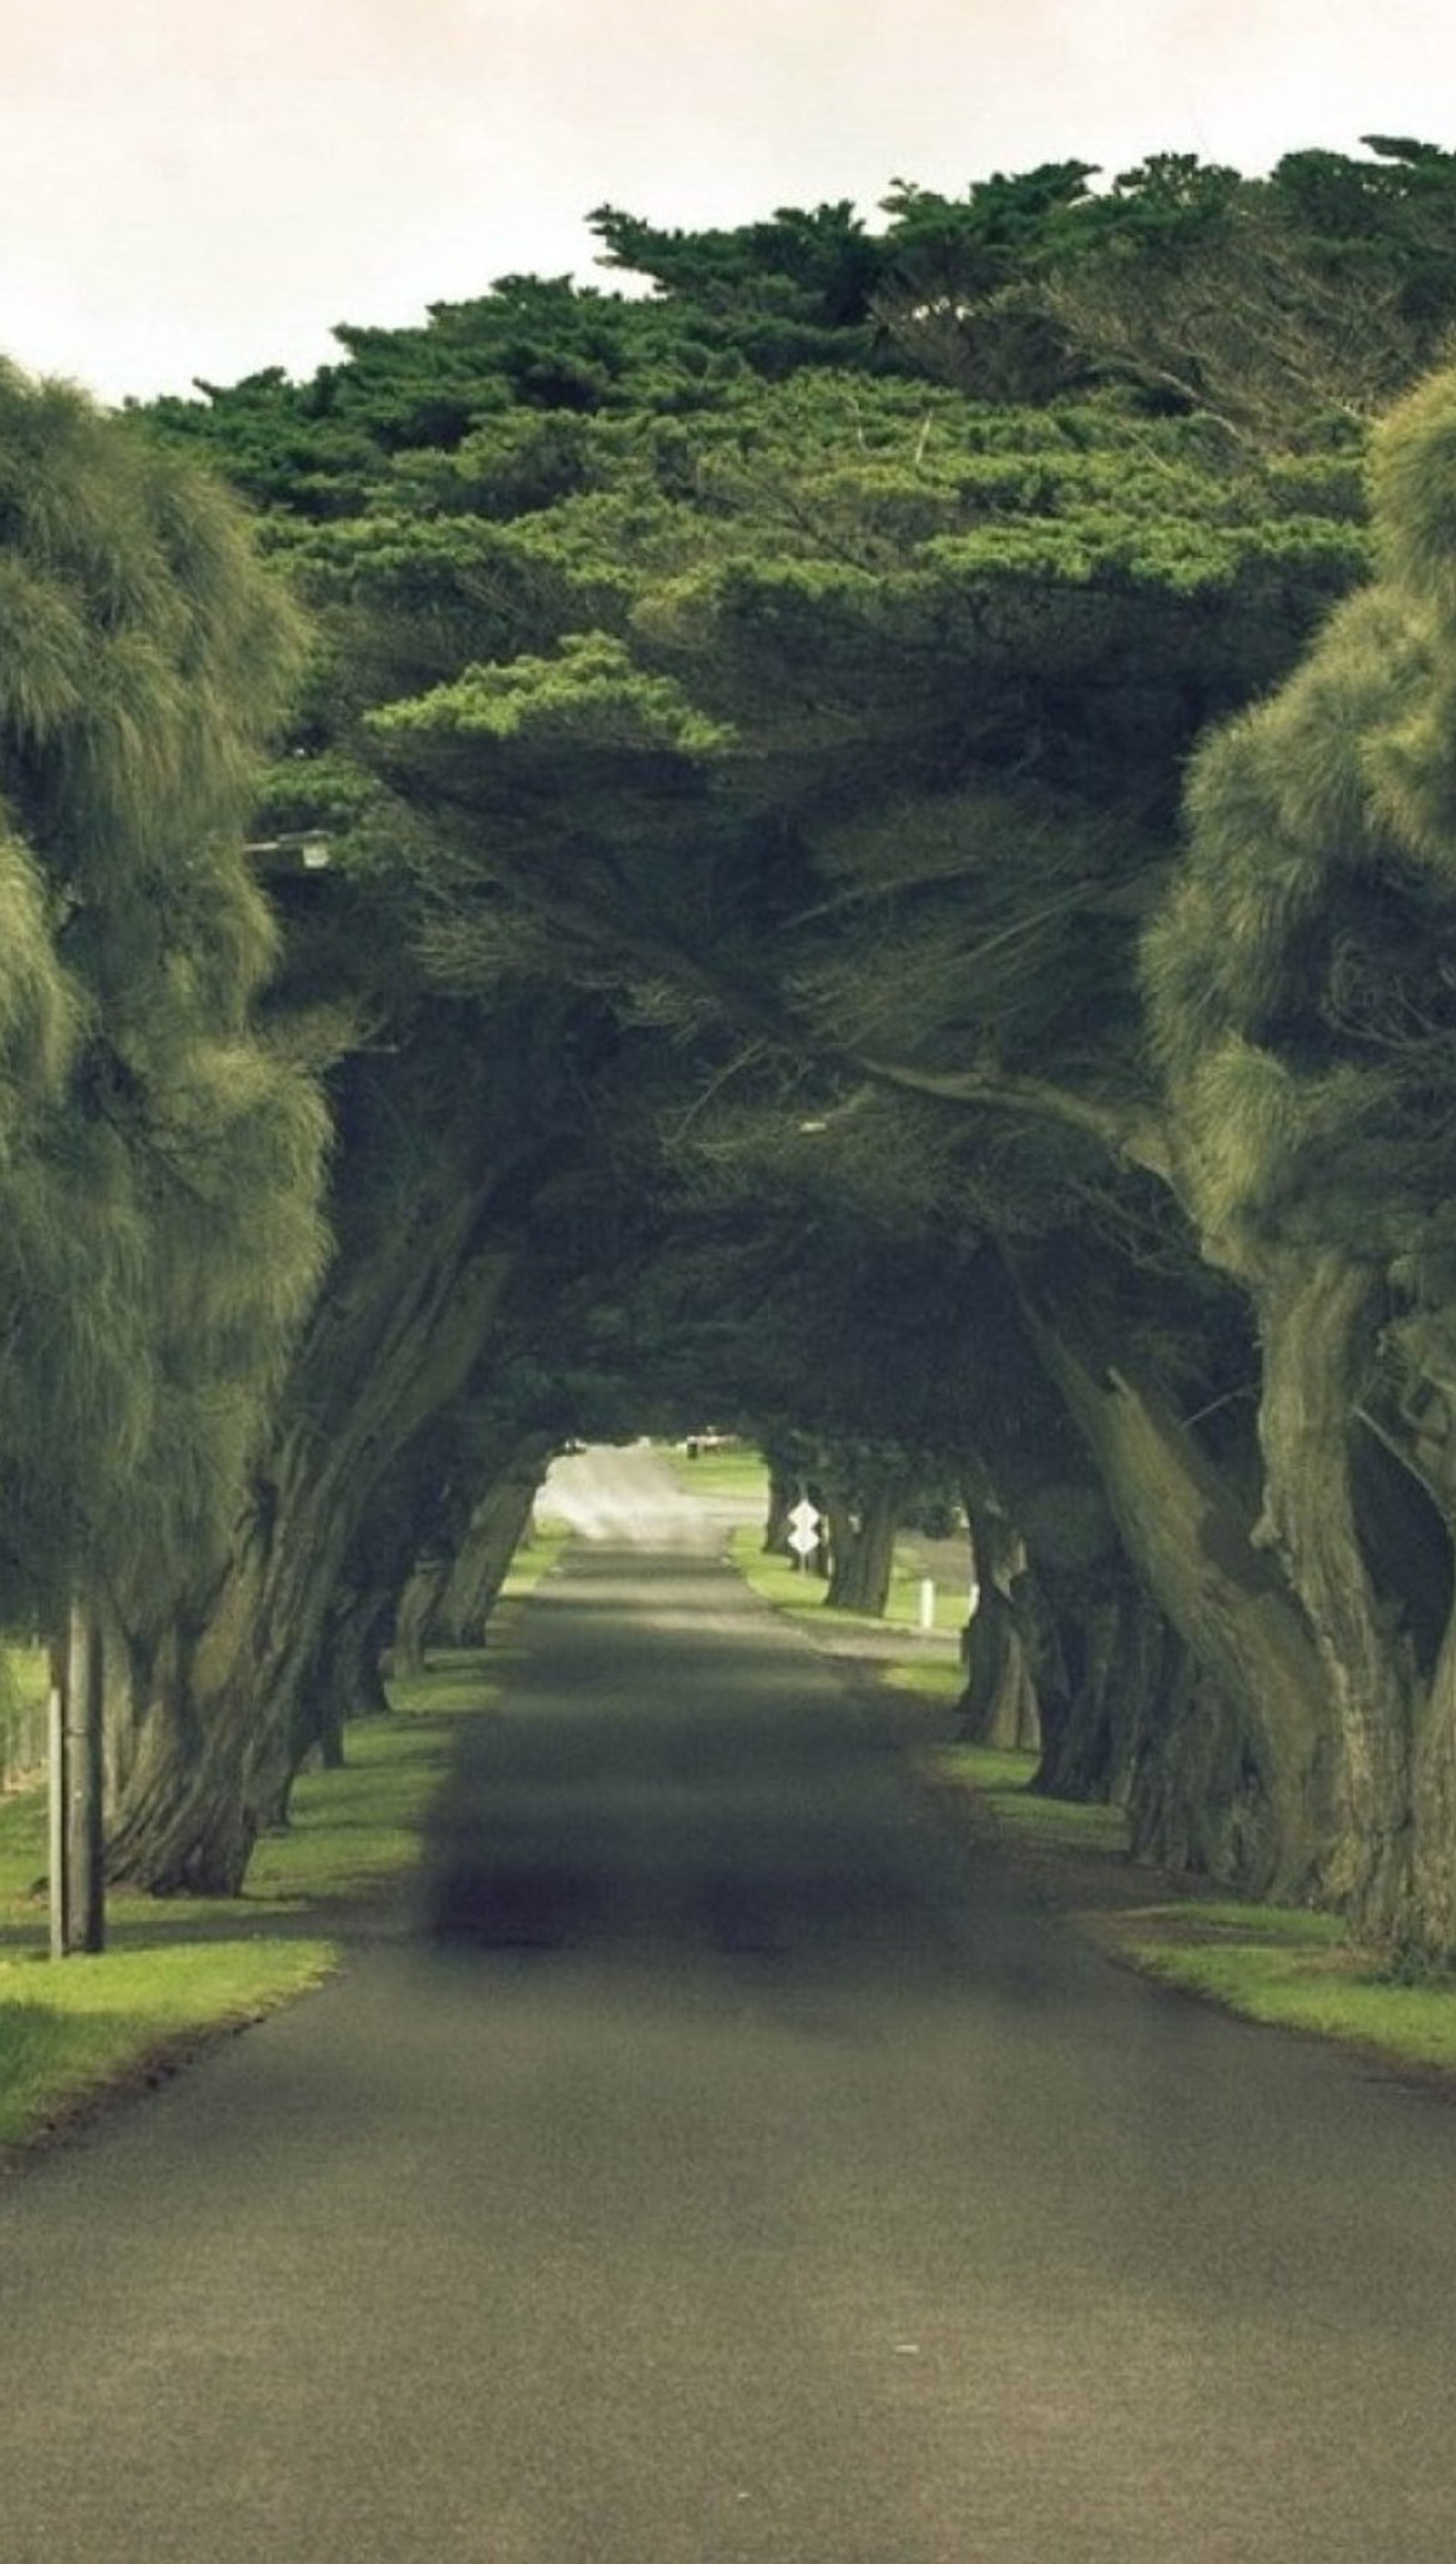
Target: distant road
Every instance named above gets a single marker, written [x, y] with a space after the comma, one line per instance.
[628, 1493]
[724, 2165]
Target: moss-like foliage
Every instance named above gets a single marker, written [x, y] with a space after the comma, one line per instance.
[160, 1156]
[1300, 974]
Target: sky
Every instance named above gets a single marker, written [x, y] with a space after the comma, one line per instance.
[199, 188]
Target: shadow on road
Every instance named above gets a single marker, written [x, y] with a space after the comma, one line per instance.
[685, 1785]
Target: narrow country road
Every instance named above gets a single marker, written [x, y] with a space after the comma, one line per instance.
[727, 2166]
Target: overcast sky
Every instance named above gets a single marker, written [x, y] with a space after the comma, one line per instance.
[202, 188]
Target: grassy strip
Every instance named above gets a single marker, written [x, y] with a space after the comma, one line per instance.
[25, 1676]
[999, 1781]
[70, 2034]
[741, 1474]
[1293, 1970]
[25, 1673]
[1278, 1964]
[179, 1970]
[787, 1586]
[930, 1678]
[537, 1555]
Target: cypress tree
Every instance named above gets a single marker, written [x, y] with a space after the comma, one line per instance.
[162, 1145]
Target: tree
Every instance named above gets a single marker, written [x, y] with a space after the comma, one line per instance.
[1286, 311]
[1301, 979]
[164, 1237]
[438, 1162]
[817, 718]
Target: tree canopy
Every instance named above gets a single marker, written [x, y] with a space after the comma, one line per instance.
[750, 717]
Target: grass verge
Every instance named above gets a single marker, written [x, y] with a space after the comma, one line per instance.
[1278, 1964]
[790, 1590]
[24, 1688]
[537, 1555]
[999, 1781]
[179, 1971]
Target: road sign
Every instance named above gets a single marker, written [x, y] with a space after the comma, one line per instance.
[803, 1535]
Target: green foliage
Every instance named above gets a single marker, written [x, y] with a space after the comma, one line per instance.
[160, 1234]
[797, 289]
[590, 695]
[1287, 310]
[1300, 972]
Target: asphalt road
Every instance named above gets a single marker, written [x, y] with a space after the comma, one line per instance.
[725, 2166]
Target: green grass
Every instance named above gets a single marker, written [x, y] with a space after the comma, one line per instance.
[1278, 1964]
[998, 1782]
[69, 2033]
[537, 1555]
[904, 1604]
[25, 1676]
[786, 1585]
[1251, 1922]
[25, 1671]
[179, 1969]
[1001, 1781]
[1291, 1969]
[930, 1678]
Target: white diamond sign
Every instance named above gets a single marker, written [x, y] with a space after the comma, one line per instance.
[803, 1535]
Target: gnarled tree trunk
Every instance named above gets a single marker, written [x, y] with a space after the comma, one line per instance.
[862, 1548]
[1395, 1858]
[496, 1527]
[1187, 1534]
[415, 1615]
[1101, 1718]
[999, 1704]
[394, 1337]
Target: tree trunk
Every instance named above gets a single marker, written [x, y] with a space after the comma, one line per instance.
[861, 1550]
[1188, 1536]
[392, 1341]
[1118, 1655]
[784, 1495]
[496, 1527]
[1195, 1802]
[346, 1682]
[1316, 1317]
[999, 1705]
[414, 1616]
[83, 1892]
[1425, 1925]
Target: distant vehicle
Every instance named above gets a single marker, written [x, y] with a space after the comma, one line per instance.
[706, 1440]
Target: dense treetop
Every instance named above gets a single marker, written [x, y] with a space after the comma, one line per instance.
[751, 715]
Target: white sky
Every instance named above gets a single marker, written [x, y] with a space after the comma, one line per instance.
[202, 188]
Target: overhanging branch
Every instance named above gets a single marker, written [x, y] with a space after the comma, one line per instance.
[1131, 1137]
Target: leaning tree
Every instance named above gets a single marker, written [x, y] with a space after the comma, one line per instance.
[161, 1235]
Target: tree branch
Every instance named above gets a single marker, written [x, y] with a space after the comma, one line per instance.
[1133, 1138]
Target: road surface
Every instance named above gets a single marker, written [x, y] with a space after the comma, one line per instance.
[724, 2165]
